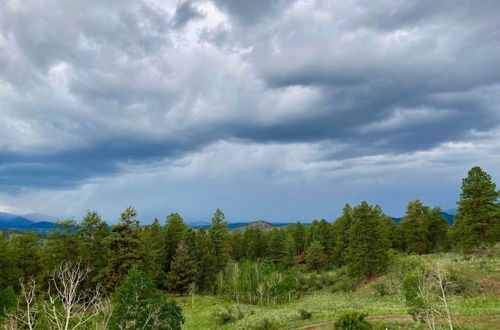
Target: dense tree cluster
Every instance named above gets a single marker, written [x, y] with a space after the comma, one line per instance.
[249, 265]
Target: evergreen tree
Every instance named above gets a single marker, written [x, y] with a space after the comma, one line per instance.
[182, 271]
[175, 232]
[276, 248]
[153, 245]
[437, 229]
[316, 258]
[367, 249]
[26, 249]
[414, 227]
[124, 249]
[477, 222]
[206, 262]
[290, 249]
[92, 235]
[219, 237]
[62, 245]
[340, 230]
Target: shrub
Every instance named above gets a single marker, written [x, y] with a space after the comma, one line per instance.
[228, 315]
[344, 284]
[264, 324]
[352, 321]
[137, 305]
[381, 289]
[304, 315]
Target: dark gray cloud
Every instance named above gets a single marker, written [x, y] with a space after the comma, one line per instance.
[184, 13]
[94, 89]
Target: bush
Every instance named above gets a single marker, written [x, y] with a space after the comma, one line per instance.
[304, 315]
[228, 315]
[352, 321]
[137, 305]
[381, 289]
[264, 324]
[344, 284]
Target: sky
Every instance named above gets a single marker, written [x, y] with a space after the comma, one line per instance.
[276, 110]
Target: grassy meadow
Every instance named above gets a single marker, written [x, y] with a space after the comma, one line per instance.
[475, 306]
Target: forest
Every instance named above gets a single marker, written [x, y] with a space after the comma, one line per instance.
[88, 274]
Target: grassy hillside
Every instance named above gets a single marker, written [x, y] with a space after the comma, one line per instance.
[475, 305]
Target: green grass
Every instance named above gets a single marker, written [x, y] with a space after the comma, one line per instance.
[471, 312]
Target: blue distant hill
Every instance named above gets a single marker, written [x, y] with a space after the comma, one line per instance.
[449, 217]
[12, 221]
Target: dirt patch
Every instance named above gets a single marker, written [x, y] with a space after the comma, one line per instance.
[491, 286]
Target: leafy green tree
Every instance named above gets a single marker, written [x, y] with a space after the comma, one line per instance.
[138, 306]
[367, 250]
[219, 236]
[316, 257]
[183, 271]
[175, 232]
[124, 249]
[477, 222]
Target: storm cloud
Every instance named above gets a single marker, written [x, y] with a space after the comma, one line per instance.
[241, 103]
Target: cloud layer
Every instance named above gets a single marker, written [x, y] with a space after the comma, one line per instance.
[204, 104]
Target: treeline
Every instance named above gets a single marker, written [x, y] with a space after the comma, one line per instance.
[250, 265]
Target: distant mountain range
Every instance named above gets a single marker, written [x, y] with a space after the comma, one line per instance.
[31, 222]
[44, 224]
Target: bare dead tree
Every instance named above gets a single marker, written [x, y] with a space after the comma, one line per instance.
[68, 306]
[437, 280]
[25, 315]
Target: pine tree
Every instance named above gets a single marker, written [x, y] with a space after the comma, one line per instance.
[124, 250]
[367, 249]
[316, 258]
[219, 236]
[340, 230]
[62, 245]
[153, 246]
[207, 262]
[276, 247]
[290, 249]
[175, 232]
[26, 249]
[182, 271]
[477, 222]
[93, 253]
[414, 227]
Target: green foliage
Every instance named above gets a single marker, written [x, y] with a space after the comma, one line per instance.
[139, 306]
[8, 299]
[219, 237]
[228, 315]
[477, 221]
[352, 321]
[423, 229]
[182, 271]
[316, 258]
[175, 232]
[304, 315]
[256, 283]
[124, 250]
[368, 244]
